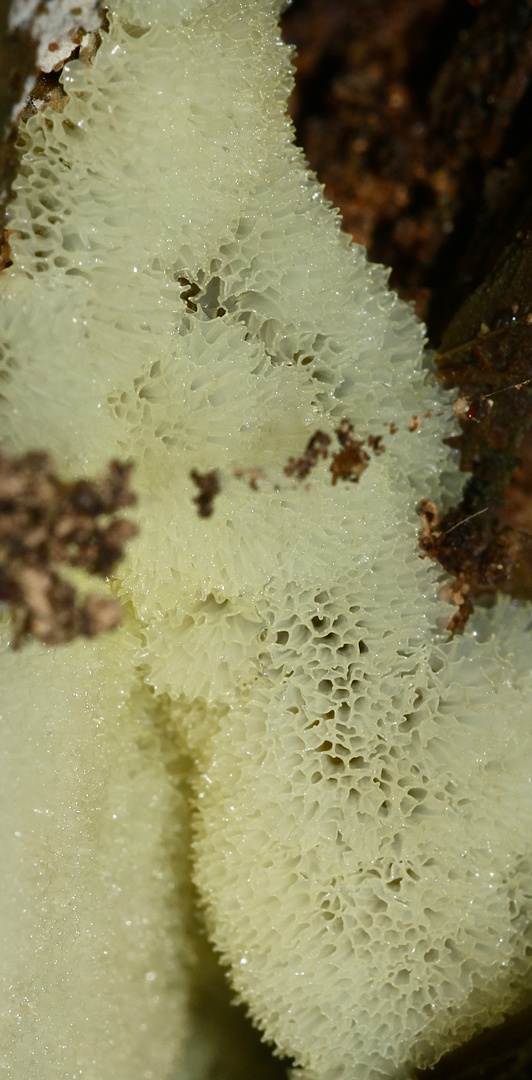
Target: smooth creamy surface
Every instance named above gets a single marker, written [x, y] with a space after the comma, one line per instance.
[90, 926]
[181, 295]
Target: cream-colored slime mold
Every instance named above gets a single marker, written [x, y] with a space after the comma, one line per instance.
[363, 784]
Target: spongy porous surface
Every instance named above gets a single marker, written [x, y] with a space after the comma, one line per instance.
[363, 785]
[383, 912]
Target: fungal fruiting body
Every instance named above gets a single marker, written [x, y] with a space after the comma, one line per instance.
[181, 295]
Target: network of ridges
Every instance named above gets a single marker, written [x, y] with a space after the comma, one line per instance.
[357, 875]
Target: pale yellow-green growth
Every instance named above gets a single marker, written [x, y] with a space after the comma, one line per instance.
[90, 927]
[362, 785]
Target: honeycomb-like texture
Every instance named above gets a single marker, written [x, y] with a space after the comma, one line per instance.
[378, 802]
[182, 295]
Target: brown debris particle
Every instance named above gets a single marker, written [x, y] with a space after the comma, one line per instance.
[480, 558]
[317, 447]
[208, 485]
[476, 409]
[458, 593]
[6, 255]
[45, 523]
[349, 463]
[375, 443]
[431, 529]
[253, 476]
